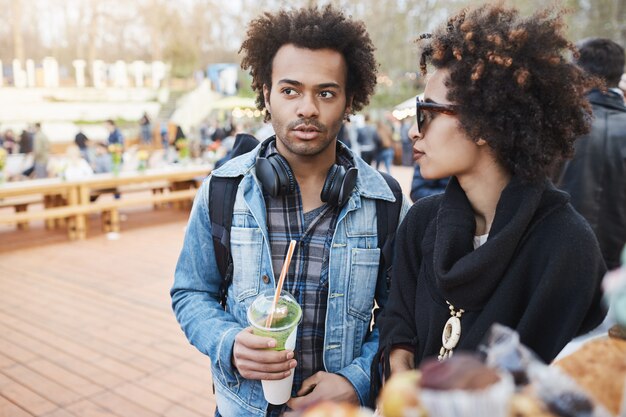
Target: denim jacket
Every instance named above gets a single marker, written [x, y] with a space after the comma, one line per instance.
[353, 263]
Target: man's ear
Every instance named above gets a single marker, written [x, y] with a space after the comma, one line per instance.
[266, 97]
[348, 110]
[481, 142]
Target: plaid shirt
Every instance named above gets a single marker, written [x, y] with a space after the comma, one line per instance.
[307, 279]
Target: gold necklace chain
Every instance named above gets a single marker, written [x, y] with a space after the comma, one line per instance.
[451, 333]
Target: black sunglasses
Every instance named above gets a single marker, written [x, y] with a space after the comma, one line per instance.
[421, 105]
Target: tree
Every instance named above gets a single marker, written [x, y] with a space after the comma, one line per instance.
[18, 37]
[195, 33]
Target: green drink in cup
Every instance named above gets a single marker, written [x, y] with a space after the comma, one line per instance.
[281, 324]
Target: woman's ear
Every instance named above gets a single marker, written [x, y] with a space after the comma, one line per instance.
[481, 142]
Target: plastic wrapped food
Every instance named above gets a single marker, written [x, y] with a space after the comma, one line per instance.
[561, 395]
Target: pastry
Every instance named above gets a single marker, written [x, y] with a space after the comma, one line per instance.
[599, 367]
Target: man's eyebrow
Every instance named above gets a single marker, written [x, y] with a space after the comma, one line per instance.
[288, 81]
[299, 84]
[328, 85]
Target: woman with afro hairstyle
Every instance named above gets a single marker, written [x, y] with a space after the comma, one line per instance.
[501, 245]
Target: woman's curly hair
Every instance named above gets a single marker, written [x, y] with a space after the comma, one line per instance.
[514, 87]
[311, 28]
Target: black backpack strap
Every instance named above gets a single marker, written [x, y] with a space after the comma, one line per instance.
[222, 194]
[387, 216]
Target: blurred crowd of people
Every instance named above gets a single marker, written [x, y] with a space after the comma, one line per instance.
[33, 143]
[382, 142]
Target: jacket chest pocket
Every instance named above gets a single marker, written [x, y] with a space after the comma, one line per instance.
[246, 245]
[362, 284]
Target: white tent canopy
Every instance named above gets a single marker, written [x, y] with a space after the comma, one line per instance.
[404, 109]
[406, 104]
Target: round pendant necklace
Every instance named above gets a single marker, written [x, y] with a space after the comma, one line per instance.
[451, 333]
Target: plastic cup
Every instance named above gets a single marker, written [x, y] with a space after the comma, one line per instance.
[283, 329]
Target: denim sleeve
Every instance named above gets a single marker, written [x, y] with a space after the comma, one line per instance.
[359, 371]
[195, 293]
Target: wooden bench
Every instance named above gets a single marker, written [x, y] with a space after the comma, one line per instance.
[108, 209]
[156, 187]
[48, 214]
[20, 204]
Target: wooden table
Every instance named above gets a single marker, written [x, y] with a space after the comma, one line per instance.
[174, 175]
[46, 186]
[77, 202]
[53, 192]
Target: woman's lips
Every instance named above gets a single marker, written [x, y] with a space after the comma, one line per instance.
[417, 155]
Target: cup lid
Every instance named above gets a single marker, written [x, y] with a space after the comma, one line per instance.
[261, 307]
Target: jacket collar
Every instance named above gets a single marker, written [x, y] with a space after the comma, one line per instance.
[610, 99]
[369, 184]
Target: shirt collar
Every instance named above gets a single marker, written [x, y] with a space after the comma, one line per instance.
[617, 91]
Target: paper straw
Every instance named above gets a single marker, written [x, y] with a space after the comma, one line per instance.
[281, 280]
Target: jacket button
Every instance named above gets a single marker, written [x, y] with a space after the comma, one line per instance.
[266, 279]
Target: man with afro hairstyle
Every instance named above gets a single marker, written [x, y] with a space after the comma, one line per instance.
[311, 68]
[501, 244]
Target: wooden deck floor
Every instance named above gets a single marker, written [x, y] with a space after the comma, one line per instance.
[86, 327]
